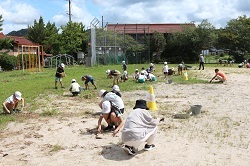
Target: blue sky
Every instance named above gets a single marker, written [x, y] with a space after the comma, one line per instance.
[18, 14]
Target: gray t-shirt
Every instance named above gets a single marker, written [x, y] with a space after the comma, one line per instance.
[138, 124]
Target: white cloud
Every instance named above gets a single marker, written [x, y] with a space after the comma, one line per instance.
[217, 12]
[17, 15]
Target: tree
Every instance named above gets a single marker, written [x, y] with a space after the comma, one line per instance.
[207, 35]
[45, 35]
[108, 39]
[72, 37]
[157, 45]
[187, 44]
[36, 33]
[51, 43]
[236, 37]
[6, 42]
[181, 46]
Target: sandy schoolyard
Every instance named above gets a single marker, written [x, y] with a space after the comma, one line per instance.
[219, 136]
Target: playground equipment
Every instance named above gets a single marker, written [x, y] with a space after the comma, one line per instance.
[30, 57]
[56, 60]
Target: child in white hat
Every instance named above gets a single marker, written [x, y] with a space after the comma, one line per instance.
[11, 103]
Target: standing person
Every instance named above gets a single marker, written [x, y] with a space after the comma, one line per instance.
[219, 75]
[116, 90]
[124, 66]
[111, 118]
[11, 103]
[139, 127]
[202, 61]
[59, 75]
[87, 79]
[115, 74]
[75, 88]
[165, 70]
[110, 96]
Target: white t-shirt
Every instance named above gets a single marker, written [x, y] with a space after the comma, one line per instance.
[165, 68]
[145, 72]
[75, 87]
[10, 99]
[150, 75]
[115, 99]
[142, 77]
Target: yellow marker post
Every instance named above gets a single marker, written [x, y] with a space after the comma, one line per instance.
[185, 74]
[150, 98]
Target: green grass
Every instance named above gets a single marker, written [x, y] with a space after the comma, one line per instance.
[41, 84]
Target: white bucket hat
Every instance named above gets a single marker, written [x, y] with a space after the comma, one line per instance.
[101, 92]
[106, 107]
[116, 88]
[108, 71]
[73, 80]
[165, 63]
[62, 65]
[18, 95]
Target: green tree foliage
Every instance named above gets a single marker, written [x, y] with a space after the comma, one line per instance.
[109, 39]
[236, 37]
[45, 35]
[6, 42]
[187, 44]
[72, 37]
[37, 32]
[51, 43]
[157, 45]
[8, 62]
[182, 46]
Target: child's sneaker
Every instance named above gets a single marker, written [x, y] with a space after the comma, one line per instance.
[149, 147]
[129, 150]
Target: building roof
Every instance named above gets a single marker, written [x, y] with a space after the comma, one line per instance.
[19, 40]
[148, 28]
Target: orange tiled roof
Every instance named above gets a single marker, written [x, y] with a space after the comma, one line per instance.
[22, 41]
[19, 40]
[148, 28]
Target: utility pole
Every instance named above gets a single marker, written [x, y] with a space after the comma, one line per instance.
[69, 11]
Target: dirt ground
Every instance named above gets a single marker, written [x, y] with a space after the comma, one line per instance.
[219, 136]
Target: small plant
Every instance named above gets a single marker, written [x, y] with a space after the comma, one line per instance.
[49, 112]
[56, 148]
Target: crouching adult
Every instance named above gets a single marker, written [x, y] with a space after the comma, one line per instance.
[139, 128]
[111, 117]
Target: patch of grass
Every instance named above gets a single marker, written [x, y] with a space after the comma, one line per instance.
[56, 148]
[5, 119]
[41, 84]
[47, 112]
